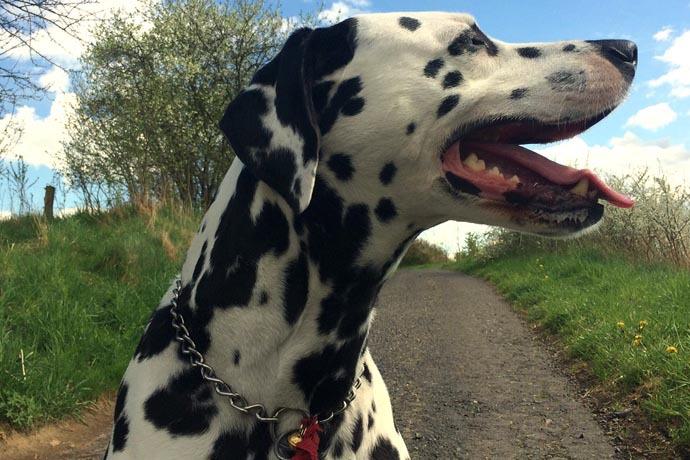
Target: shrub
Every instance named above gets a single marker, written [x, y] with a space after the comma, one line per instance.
[422, 252]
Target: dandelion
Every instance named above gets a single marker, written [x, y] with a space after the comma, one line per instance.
[643, 324]
[621, 325]
[637, 341]
[671, 349]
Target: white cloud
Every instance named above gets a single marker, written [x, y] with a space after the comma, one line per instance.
[56, 80]
[664, 34]
[625, 155]
[343, 9]
[678, 75]
[41, 137]
[653, 117]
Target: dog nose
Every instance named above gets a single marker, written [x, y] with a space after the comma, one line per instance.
[621, 53]
[621, 50]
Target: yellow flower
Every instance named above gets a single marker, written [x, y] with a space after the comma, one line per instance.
[671, 349]
[637, 341]
[643, 324]
[620, 324]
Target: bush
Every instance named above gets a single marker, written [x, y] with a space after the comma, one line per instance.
[422, 252]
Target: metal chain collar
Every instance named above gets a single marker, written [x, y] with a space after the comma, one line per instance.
[196, 359]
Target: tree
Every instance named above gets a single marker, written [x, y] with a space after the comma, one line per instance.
[20, 22]
[151, 92]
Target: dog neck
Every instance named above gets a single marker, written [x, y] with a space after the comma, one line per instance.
[280, 303]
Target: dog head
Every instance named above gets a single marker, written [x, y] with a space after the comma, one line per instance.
[422, 116]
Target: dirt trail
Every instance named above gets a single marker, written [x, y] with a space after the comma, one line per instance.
[468, 380]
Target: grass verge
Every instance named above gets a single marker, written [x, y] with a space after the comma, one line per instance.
[629, 322]
[75, 294]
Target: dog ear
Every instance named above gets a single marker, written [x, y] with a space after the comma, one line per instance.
[271, 124]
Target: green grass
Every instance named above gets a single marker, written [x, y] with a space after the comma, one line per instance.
[582, 295]
[75, 294]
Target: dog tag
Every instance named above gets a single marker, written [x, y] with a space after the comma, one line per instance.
[285, 446]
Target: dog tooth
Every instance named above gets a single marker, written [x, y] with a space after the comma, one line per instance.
[515, 179]
[581, 187]
[474, 163]
[495, 172]
[471, 159]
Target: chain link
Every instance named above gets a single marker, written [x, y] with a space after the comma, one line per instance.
[196, 359]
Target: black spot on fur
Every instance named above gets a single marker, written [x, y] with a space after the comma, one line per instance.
[236, 357]
[200, 262]
[518, 93]
[529, 52]
[373, 406]
[357, 434]
[461, 184]
[341, 165]
[320, 95]
[384, 450]
[387, 173]
[158, 335]
[229, 445]
[385, 210]
[410, 128]
[452, 79]
[432, 67]
[297, 187]
[471, 41]
[184, 407]
[315, 374]
[121, 428]
[569, 48]
[120, 401]
[409, 23]
[263, 299]
[344, 94]
[338, 448]
[353, 107]
[248, 129]
[564, 81]
[240, 242]
[333, 47]
[296, 288]
[366, 373]
[120, 433]
[447, 105]
[370, 423]
[236, 445]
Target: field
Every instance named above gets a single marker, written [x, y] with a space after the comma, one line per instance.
[630, 322]
[74, 296]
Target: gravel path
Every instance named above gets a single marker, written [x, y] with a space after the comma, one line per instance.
[467, 377]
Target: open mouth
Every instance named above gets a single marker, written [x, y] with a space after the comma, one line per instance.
[488, 161]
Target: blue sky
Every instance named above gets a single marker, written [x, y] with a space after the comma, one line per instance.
[649, 129]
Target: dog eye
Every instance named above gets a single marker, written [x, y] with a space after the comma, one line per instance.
[478, 42]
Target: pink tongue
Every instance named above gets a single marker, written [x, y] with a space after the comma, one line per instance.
[550, 170]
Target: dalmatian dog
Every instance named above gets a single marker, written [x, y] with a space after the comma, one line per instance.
[350, 142]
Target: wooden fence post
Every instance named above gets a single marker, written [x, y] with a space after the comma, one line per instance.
[48, 200]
